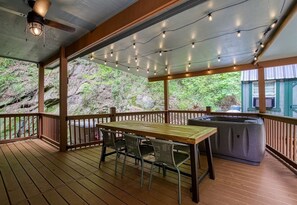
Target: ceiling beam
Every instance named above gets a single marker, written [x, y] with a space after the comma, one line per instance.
[131, 16]
[205, 72]
[134, 14]
[278, 62]
[279, 27]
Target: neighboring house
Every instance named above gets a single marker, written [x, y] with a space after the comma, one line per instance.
[280, 90]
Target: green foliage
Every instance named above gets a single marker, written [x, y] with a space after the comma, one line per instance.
[205, 91]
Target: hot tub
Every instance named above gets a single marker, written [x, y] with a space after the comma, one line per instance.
[238, 138]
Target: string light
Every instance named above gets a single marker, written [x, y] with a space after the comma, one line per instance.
[238, 33]
[219, 59]
[92, 57]
[116, 63]
[209, 17]
[189, 64]
[165, 68]
[111, 53]
[155, 73]
[128, 68]
[273, 24]
[137, 69]
[160, 53]
[193, 44]
[208, 71]
[134, 45]
[148, 70]
[255, 57]
[164, 34]
[136, 59]
[262, 45]
[105, 62]
[234, 67]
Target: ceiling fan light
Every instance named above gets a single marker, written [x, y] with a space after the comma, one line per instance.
[35, 28]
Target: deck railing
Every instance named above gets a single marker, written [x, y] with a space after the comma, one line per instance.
[83, 130]
[281, 137]
[281, 132]
[15, 127]
[50, 129]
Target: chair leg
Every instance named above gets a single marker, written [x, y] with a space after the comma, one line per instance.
[164, 170]
[102, 155]
[116, 162]
[151, 176]
[141, 179]
[179, 187]
[124, 165]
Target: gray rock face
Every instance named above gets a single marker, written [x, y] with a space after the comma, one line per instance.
[145, 102]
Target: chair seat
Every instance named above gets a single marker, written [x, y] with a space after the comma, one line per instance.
[120, 143]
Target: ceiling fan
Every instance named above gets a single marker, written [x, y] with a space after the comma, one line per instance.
[36, 17]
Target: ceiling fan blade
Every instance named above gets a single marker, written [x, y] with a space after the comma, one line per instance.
[58, 25]
[13, 12]
[41, 7]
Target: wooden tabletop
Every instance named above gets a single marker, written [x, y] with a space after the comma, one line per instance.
[188, 134]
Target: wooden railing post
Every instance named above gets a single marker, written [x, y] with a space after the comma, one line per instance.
[40, 99]
[208, 110]
[261, 86]
[113, 111]
[63, 99]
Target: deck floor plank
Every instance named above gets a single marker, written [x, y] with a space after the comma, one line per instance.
[34, 172]
[18, 184]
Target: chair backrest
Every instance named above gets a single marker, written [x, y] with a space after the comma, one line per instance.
[108, 137]
[164, 151]
[132, 144]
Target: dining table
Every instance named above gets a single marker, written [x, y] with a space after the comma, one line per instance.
[187, 134]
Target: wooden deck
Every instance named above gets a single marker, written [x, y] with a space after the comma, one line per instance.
[33, 172]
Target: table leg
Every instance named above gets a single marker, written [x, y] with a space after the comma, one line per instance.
[209, 158]
[194, 172]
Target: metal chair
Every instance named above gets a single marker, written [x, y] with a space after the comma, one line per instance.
[110, 141]
[165, 155]
[137, 150]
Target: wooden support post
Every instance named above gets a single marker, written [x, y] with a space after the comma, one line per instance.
[261, 86]
[40, 98]
[63, 100]
[113, 111]
[166, 101]
[208, 110]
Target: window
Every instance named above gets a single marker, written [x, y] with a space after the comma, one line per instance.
[270, 92]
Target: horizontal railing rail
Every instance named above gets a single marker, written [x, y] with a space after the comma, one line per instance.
[18, 126]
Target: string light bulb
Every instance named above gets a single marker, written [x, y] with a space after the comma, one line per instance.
[136, 59]
[137, 69]
[160, 53]
[166, 68]
[116, 63]
[189, 64]
[193, 44]
[147, 70]
[262, 45]
[111, 53]
[155, 73]
[92, 57]
[219, 59]
[238, 33]
[209, 17]
[255, 57]
[105, 62]
[128, 68]
[134, 45]
[273, 24]
[234, 67]
[164, 34]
